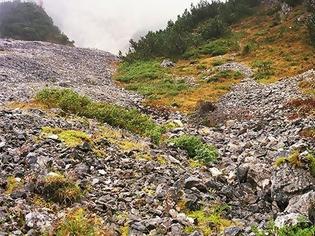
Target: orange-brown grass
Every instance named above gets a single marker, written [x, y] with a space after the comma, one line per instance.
[187, 101]
[285, 44]
[33, 104]
[308, 133]
[303, 106]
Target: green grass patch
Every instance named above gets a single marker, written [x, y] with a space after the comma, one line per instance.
[225, 74]
[196, 148]
[158, 88]
[214, 48]
[139, 70]
[149, 79]
[117, 116]
[264, 70]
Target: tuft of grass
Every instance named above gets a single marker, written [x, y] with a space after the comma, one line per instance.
[208, 220]
[71, 138]
[294, 159]
[280, 161]
[80, 222]
[117, 116]
[196, 148]
[300, 229]
[59, 189]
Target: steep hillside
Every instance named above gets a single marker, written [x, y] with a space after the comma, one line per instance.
[274, 41]
[28, 21]
[81, 156]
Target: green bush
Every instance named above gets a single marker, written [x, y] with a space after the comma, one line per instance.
[196, 148]
[264, 70]
[220, 47]
[213, 28]
[117, 116]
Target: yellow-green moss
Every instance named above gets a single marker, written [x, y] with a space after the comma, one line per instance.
[12, 185]
[79, 222]
[143, 157]
[195, 163]
[71, 138]
[124, 230]
[162, 160]
[208, 221]
[280, 161]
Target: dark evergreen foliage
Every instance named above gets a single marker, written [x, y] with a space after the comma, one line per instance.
[204, 21]
[28, 21]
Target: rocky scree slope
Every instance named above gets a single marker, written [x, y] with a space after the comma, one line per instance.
[26, 67]
[134, 186]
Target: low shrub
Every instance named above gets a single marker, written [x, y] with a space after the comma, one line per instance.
[196, 148]
[117, 116]
[57, 188]
[264, 70]
[294, 159]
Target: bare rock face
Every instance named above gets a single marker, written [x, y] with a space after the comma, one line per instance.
[26, 67]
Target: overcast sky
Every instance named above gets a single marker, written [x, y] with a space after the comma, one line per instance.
[109, 24]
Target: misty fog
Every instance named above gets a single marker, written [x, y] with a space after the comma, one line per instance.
[108, 24]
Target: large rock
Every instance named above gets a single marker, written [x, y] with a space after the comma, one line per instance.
[301, 207]
[167, 63]
[288, 181]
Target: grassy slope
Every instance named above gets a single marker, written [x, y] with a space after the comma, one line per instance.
[283, 43]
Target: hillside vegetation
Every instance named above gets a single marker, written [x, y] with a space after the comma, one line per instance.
[28, 21]
[275, 43]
